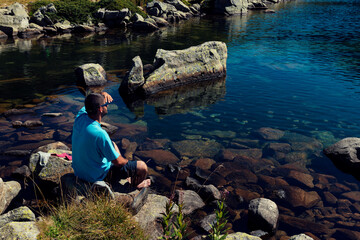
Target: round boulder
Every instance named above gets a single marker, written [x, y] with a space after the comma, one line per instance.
[91, 74]
[263, 214]
[345, 154]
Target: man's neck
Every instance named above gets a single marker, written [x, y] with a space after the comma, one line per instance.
[96, 118]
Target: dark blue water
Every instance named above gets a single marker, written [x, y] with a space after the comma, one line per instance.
[297, 70]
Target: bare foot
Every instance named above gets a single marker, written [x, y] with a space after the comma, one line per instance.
[144, 184]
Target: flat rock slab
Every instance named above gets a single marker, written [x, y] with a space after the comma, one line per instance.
[19, 231]
[196, 148]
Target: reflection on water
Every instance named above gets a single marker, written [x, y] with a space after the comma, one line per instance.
[181, 99]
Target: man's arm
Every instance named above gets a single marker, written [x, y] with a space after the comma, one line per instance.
[120, 160]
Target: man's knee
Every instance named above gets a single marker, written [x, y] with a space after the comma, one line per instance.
[141, 167]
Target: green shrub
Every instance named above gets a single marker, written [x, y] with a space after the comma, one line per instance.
[120, 4]
[33, 6]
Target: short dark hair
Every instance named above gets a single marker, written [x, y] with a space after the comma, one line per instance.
[92, 102]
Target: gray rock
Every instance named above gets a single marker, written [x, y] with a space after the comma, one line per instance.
[34, 25]
[83, 29]
[190, 200]
[52, 171]
[150, 20]
[150, 215]
[192, 183]
[137, 17]
[18, 9]
[179, 5]
[23, 171]
[161, 6]
[52, 114]
[40, 19]
[91, 74]
[179, 67]
[301, 236]
[21, 214]
[3, 35]
[209, 193]
[32, 123]
[50, 30]
[8, 191]
[144, 26]
[208, 221]
[63, 27]
[344, 154]
[197, 7]
[135, 78]
[154, 12]
[263, 214]
[256, 4]
[52, 146]
[19, 231]
[160, 21]
[241, 236]
[231, 7]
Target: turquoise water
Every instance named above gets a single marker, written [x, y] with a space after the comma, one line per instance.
[297, 70]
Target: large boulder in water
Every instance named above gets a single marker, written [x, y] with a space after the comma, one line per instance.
[13, 18]
[345, 154]
[91, 74]
[179, 67]
[230, 7]
[263, 214]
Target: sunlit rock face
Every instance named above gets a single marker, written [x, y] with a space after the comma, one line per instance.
[180, 67]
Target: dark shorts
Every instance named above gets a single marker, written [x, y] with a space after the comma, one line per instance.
[128, 170]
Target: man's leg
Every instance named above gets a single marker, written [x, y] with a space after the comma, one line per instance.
[138, 175]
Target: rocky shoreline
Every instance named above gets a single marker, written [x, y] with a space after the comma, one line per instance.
[16, 22]
[267, 164]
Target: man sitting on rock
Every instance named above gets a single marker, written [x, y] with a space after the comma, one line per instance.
[93, 152]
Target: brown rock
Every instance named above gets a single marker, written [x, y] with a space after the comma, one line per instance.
[301, 157]
[151, 144]
[251, 143]
[204, 163]
[37, 136]
[302, 225]
[338, 188]
[50, 146]
[347, 234]
[246, 195]
[161, 157]
[284, 170]
[270, 133]
[196, 148]
[271, 148]
[297, 197]
[353, 196]
[271, 181]
[255, 165]
[301, 179]
[329, 198]
[343, 207]
[242, 176]
[32, 123]
[325, 179]
[133, 132]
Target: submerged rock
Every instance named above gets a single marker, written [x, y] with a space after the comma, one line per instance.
[196, 148]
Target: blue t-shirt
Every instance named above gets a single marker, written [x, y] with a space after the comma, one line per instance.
[92, 149]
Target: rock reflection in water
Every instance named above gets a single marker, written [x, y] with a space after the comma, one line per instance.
[179, 100]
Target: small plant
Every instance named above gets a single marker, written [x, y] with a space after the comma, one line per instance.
[218, 229]
[176, 230]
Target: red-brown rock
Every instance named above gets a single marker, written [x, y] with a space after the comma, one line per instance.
[297, 197]
[301, 179]
[160, 157]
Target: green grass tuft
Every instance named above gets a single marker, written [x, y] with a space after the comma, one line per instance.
[99, 218]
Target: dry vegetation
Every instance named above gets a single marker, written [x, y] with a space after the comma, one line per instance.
[4, 3]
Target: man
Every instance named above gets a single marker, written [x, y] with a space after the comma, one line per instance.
[94, 154]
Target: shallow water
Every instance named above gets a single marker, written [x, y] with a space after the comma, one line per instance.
[296, 70]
